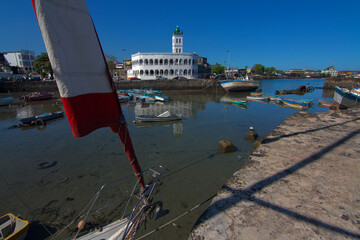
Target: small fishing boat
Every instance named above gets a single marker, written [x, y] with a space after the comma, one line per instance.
[42, 118]
[325, 103]
[295, 104]
[12, 227]
[6, 101]
[305, 101]
[238, 85]
[165, 116]
[36, 96]
[259, 98]
[256, 94]
[346, 98]
[233, 100]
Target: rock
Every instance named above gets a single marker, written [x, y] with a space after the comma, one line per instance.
[226, 146]
[257, 143]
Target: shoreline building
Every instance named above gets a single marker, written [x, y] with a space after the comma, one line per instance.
[146, 66]
[23, 59]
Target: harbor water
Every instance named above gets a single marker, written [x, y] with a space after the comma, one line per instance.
[76, 168]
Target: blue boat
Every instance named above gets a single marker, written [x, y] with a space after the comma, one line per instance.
[295, 104]
[40, 119]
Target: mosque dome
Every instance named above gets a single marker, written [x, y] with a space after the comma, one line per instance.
[177, 31]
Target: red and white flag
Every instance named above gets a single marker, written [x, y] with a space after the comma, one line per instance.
[85, 85]
[81, 73]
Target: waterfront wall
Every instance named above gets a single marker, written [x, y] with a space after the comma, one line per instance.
[179, 84]
[341, 82]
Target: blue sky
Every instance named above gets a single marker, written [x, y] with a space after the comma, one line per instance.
[281, 34]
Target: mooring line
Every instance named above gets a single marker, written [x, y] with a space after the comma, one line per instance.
[178, 217]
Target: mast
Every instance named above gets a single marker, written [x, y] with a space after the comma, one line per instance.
[86, 88]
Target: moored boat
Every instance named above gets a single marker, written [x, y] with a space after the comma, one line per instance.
[295, 104]
[12, 227]
[346, 98]
[36, 96]
[301, 101]
[164, 117]
[233, 100]
[325, 103]
[42, 117]
[238, 85]
[258, 98]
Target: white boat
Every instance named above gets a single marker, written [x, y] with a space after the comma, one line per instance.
[164, 117]
[234, 85]
[77, 49]
[346, 98]
[12, 227]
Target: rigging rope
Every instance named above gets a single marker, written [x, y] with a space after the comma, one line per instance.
[178, 217]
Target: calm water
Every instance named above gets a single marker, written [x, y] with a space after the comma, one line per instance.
[194, 170]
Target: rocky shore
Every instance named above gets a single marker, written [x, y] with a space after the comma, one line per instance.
[301, 183]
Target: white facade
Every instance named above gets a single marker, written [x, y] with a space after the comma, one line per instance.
[23, 59]
[146, 66]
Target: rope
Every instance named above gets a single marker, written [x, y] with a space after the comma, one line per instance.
[178, 217]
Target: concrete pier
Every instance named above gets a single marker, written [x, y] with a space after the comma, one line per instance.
[303, 182]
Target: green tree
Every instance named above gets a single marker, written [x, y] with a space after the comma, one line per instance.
[218, 69]
[258, 68]
[270, 70]
[43, 66]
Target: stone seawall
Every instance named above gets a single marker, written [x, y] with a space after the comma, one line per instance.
[341, 82]
[301, 183]
[180, 84]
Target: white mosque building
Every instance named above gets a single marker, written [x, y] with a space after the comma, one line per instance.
[177, 64]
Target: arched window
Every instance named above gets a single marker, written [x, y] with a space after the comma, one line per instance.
[171, 72]
[161, 72]
[166, 72]
[156, 61]
[146, 72]
[166, 62]
[161, 61]
[181, 72]
[180, 61]
[185, 71]
[146, 61]
[141, 72]
[176, 72]
[171, 62]
[193, 61]
[141, 61]
[176, 61]
[189, 72]
[151, 72]
[185, 61]
[151, 62]
[189, 61]
[157, 72]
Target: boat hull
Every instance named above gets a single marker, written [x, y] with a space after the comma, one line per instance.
[346, 98]
[238, 85]
[6, 101]
[44, 117]
[153, 118]
[16, 233]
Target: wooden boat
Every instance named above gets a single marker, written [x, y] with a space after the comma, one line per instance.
[346, 98]
[164, 117]
[42, 118]
[259, 98]
[295, 104]
[304, 101]
[256, 94]
[36, 96]
[238, 85]
[6, 101]
[233, 100]
[325, 103]
[13, 228]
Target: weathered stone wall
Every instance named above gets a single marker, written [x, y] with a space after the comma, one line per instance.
[341, 82]
[180, 84]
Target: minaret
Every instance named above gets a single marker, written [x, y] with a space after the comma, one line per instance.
[177, 41]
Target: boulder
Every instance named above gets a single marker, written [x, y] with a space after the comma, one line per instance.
[226, 146]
